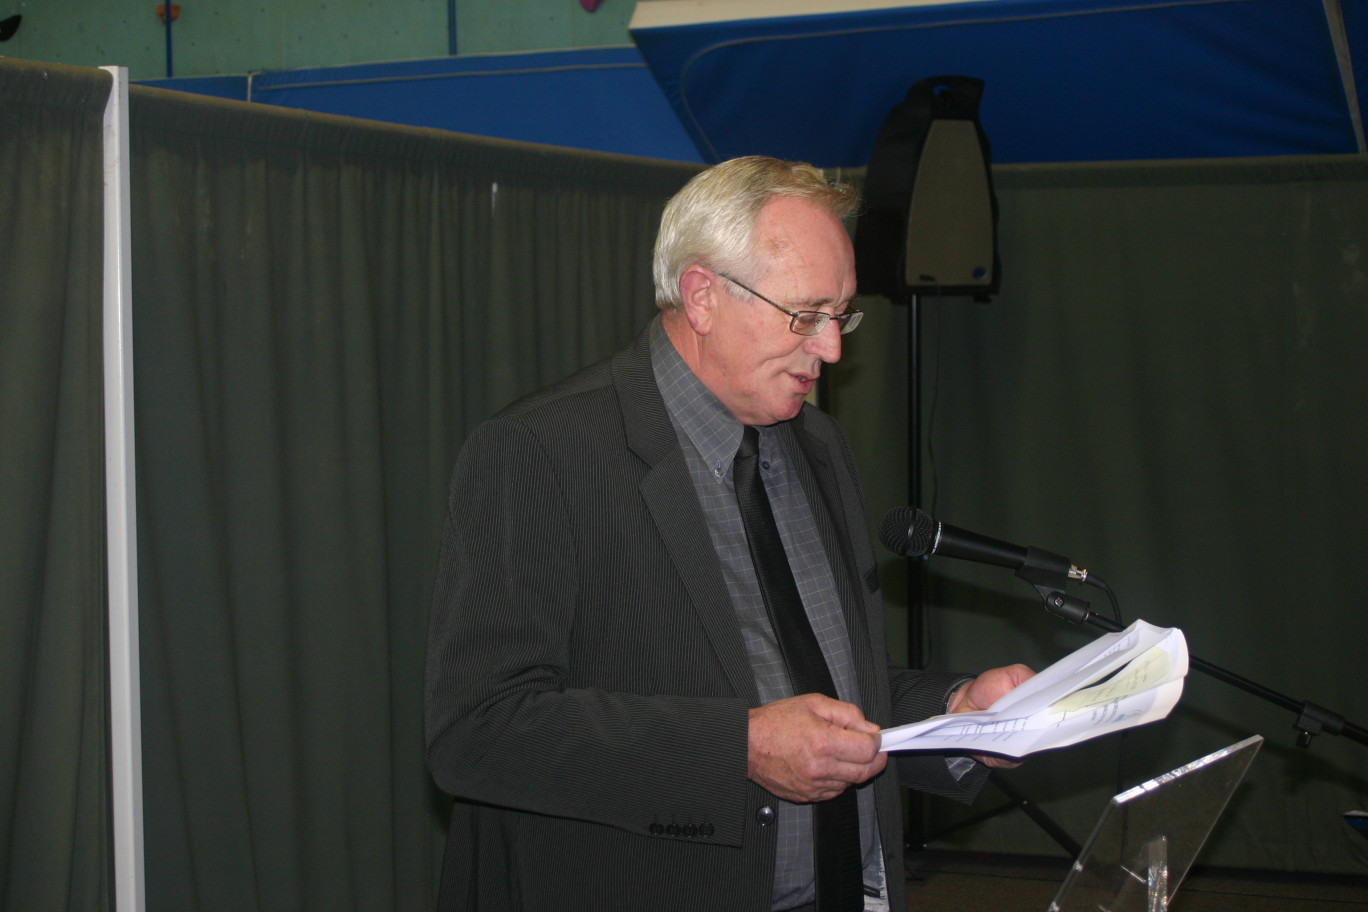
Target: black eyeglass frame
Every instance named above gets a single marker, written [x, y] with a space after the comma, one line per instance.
[846, 321]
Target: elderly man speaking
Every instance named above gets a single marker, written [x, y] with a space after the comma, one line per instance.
[656, 666]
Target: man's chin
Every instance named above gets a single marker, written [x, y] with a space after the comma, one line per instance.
[790, 410]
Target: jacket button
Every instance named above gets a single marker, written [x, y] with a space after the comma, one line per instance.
[657, 829]
[765, 816]
[706, 830]
[690, 830]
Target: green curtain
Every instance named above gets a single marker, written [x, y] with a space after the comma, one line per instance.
[323, 309]
[1170, 390]
[55, 849]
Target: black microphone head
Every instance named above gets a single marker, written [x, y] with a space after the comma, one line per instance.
[907, 531]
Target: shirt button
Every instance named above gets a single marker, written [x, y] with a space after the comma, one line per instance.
[765, 816]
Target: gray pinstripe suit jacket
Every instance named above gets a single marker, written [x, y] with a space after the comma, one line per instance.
[587, 686]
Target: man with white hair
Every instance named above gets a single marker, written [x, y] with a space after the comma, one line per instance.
[656, 671]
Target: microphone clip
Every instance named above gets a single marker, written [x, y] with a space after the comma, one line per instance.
[1049, 573]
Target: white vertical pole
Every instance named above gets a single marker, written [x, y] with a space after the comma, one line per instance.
[1334, 18]
[124, 692]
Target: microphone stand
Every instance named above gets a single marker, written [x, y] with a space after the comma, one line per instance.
[1041, 570]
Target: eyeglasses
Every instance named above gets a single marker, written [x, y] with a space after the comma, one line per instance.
[808, 322]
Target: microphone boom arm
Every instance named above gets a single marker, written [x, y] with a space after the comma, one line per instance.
[1042, 570]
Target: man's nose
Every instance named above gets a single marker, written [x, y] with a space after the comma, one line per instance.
[827, 343]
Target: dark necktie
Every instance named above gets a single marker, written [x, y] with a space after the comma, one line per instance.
[836, 830]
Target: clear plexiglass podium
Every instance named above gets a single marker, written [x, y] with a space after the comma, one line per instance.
[1148, 836]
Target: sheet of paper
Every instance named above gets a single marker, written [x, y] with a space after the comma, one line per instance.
[1117, 681]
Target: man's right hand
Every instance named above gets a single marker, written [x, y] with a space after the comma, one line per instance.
[812, 748]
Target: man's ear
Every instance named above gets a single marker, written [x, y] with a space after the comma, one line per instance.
[698, 289]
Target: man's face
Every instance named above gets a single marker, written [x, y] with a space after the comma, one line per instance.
[750, 360]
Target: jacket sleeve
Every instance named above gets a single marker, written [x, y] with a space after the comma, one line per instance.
[920, 695]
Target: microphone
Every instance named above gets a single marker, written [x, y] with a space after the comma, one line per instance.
[913, 533]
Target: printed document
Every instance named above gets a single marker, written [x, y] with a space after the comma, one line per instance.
[1118, 681]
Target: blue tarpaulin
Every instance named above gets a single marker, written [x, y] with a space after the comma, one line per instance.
[1065, 80]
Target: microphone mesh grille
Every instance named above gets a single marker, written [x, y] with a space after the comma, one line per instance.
[906, 531]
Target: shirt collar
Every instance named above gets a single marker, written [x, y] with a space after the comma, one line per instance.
[710, 427]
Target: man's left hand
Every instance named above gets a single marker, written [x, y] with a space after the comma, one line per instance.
[983, 692]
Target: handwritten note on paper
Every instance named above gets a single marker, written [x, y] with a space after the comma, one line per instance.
[1117, 681]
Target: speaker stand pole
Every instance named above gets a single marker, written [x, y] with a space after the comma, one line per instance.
[916, 646]
[917, 833]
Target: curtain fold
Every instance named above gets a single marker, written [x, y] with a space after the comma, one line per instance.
[323, 308]
[54, 758]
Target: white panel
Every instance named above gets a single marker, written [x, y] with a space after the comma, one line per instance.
[666, 13]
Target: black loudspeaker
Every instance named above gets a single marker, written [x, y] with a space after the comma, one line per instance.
[930, 218]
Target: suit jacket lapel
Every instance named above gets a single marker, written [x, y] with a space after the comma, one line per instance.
[669, 494]
[821, 484]
[823, 490]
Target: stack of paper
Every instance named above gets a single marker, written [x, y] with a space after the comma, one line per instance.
[1117, 681]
